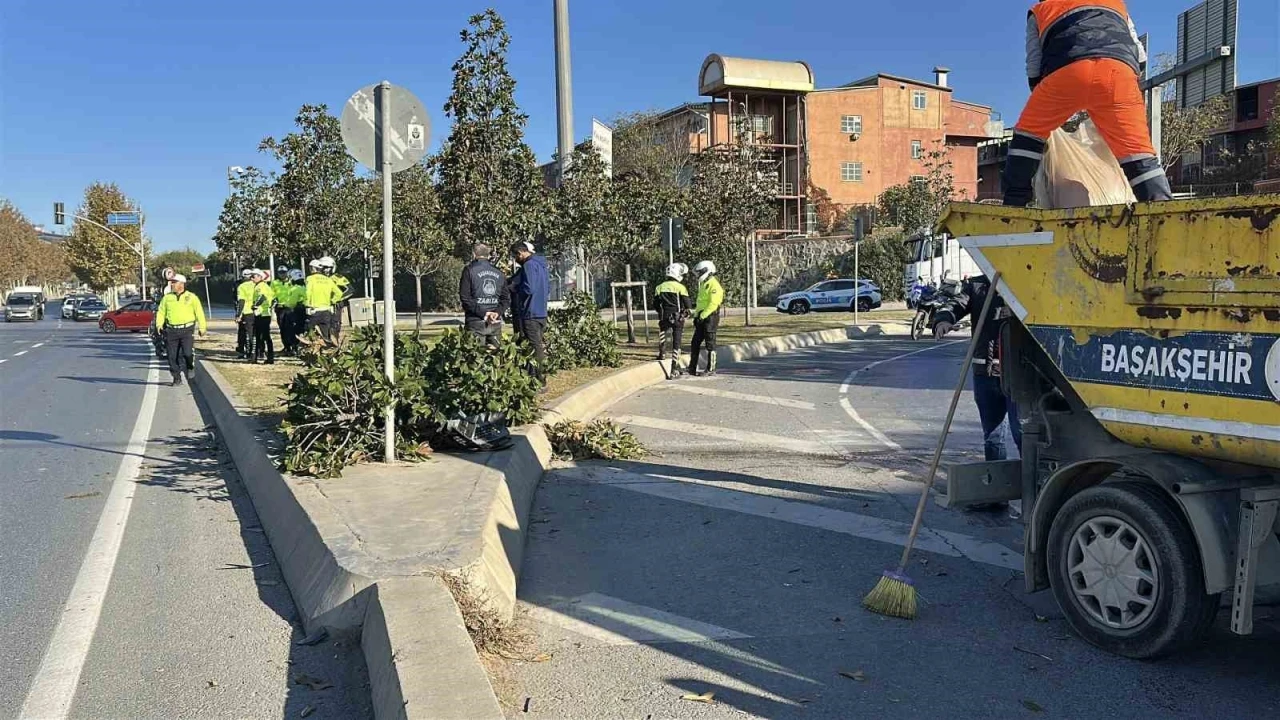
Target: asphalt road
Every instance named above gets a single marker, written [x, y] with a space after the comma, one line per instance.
[734, 559]
[192, 617]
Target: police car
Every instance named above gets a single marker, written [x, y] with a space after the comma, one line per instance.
[831, 295]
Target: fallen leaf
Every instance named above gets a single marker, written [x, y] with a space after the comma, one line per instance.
[706, 697]
[1041, 618]
[540, 657]
[1032, 705]
[307, 710]
[855, 675]
[213, 683]
[81, 496]
[311, 682]
[836, 619]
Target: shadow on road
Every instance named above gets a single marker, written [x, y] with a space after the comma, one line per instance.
[109, 380]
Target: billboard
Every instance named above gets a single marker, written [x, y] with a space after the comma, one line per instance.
[1202, 33]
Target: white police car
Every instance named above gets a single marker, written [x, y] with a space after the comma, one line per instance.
[832, 295]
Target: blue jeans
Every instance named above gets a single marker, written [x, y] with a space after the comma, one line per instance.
[993, 407]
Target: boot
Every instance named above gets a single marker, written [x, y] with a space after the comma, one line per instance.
[177, 380]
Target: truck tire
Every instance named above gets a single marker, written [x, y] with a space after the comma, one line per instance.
[1126, 571]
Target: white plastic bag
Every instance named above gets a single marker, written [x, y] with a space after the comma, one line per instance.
[1080, 171]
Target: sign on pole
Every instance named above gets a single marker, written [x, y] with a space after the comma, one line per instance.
[386, 129]
[409, 132]
[198, 269]
[124, 218]
[602, 141]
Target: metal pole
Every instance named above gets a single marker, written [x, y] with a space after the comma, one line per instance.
[388, 297]
[857, 282]
[564, 106]
[746, 290]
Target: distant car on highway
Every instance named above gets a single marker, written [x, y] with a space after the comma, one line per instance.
[23, 306]
[134, 317]
[89, 309]
[835, 294]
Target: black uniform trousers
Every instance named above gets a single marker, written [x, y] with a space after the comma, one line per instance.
[244, 336]
[262, 338]
[670, 329]
[180, 343]
[322, 320]
[704, 331]
[530, 330]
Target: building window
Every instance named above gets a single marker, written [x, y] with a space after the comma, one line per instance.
[917, 178]
[1247, 104]
[850, 124]
[917, 149]
[851, 172]
[919, 99]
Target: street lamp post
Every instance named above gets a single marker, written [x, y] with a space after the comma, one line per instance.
[139, 248]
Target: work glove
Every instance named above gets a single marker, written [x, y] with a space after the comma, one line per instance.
[941, 329]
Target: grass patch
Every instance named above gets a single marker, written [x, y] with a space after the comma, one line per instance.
[492, 635]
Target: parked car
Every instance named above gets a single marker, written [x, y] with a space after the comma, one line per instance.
[23, 306]
[89, 309]
[134, 317]
[832, 295]
[69, 305]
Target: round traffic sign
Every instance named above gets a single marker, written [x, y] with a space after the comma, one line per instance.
[362, 128]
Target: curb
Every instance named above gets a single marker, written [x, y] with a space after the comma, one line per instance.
[421, 661]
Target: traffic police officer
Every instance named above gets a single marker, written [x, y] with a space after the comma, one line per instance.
[671, 300]
[321, 298]
[244, 319]
[706, 316]
[264, 303]
[179, 316]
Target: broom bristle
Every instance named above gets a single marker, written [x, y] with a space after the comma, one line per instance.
[894, 595]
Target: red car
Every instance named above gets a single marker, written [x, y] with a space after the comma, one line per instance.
[134, 317]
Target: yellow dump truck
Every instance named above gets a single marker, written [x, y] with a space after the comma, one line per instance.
[1145, 362]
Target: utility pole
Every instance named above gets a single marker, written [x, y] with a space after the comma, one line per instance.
[388, 294]
[564, 112]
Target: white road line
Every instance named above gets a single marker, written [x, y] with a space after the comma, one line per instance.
[20, 353]
[848, 406]
[731, 395]
[39, 344]
[871, 429]
[809, 447]
[844, 386]
[4, 360]
[54, 687]
[612, 621]
[867, 527]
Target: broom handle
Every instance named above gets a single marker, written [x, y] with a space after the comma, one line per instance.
[946, 427]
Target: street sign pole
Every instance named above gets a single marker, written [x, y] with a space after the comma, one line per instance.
[857, 282]
[388, 296]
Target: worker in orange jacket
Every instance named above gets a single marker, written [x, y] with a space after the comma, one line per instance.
[1084, 55]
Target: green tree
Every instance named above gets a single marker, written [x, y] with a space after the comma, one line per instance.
[729, 198]
[582, 206]
[919, 204]
[17, 244]
[245, 223]
[180, 260]
[881, 259]
[421, 245]
[1186, 130]
[315, 202]
[655, 147]
[96, 255]
[490, 187]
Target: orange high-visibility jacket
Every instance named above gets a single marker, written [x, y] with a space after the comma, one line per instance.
[1060, 32]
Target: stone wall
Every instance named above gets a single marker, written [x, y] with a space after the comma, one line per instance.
[794, 263]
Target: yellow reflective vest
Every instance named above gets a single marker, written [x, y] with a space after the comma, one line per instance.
[264, 299]
[244, 297]
[710, 298]
[178, 309]
[322, 292]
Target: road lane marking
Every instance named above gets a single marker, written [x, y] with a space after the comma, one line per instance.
[4, 360]
[853, 413]
[746, 397]
[37, 345]
[808, 447]
[20, 353]
[866, 527]
[612, 621]
[54, 687]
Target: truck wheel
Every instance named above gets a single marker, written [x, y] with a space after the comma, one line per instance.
[798, 307]
[1126, 571]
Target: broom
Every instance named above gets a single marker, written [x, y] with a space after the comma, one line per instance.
[895, 593]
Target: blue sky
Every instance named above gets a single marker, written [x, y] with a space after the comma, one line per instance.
[161, 96]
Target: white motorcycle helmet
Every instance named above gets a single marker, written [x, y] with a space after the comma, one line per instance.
[296, 275]
[704, 270]
[327, 265]
[246, 273]
[677, 271]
